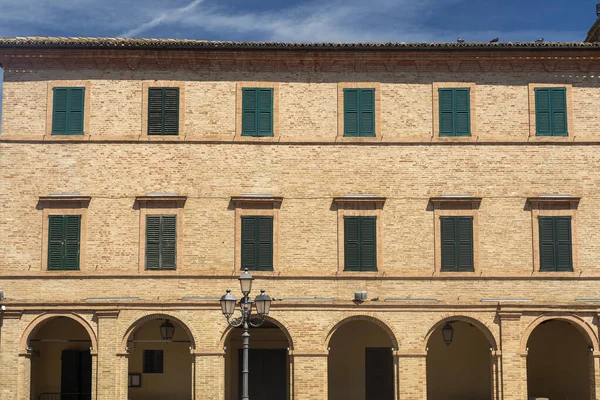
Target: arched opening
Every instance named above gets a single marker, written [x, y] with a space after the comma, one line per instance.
[558, 362]
[61, 361]
[268, 363]
[159, 365]
[360, 362]
[459, 363]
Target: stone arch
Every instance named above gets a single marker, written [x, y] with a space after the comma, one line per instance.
[482, 326]
[150, 317]
[381, 322]
[43, 318]
[576, 321]
[281, 325]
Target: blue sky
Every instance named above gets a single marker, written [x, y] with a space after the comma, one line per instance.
[302, 20]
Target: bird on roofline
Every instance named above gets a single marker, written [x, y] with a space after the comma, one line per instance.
[459, 40]
[494, 40]
[540, 40]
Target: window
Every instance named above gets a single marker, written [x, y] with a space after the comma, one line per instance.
[555, 244]
[63, 242]
[551, 111]
[161, 242]
[257, 112]
[360, 244]
[68, 110]
[163, 111]
[454, 111]
[359, 112]
[153, 361]
[457, 243]
[257, 243]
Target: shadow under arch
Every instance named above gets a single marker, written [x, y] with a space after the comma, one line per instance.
[39, 321]
[386, 326]
[272, 320]
[151, 317]
[575, 321]
[483, 328]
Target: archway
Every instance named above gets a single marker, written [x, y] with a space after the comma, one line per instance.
[558, 361]
[61, 360]
[160, 368]
[268, 362]
[360, 362]
[460, 368]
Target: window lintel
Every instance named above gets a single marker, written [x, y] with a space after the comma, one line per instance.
[554, 202]
[456, 202]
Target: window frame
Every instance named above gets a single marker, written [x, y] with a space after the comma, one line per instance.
[360, 206]
[376, 86]
[159, 205]
[61, 84]
[256, 240]
[555, 243]
[257, 111]
[553, 206]
[154, 352]
[361, 267]
[146, 86]
[456, 243]
[64, 205]
[240, 86]
[161, 267]
[435, 129]
[359, 111]
[455, 206]
[571, 132]
[454, 111]
[256, 206]
[163, 90]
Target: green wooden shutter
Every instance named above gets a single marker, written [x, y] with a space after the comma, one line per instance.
[448, 241]
[249, 243]
[368, 245]
[543, 118]
[168, 242]
[462, 117]
[464, 234]
[152, 242]
[155, 111]
[446, 106]
[564, 256]
[264, 249]
[351, 112]
[547, 250]
[559, 111]
[264, 121]
[55, 241]
[75, 116]
[367, 112]
[170, 116]
[63, 242]
[249, 112]
[59, 111]
[351, 244]
[72, 233]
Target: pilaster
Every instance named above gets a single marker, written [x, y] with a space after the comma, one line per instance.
[14, 376]
[412, 375]
[109, 383]
[513, 378]
[208, 379]
[308, 375]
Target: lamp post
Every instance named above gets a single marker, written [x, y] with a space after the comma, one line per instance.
[245, 320]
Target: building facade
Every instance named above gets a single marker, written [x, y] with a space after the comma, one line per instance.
[426, 216]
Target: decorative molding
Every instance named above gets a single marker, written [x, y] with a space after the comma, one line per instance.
[107, 314]
[249, 201]
[358, 202]
[455, 202]
[554, 202]
[67, 200]
[11, 314]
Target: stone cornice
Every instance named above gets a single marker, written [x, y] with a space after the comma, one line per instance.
[545, 59]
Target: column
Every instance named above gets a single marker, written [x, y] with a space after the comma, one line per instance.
[308, 375]
[209, 375]
[595, 375]
[109, 365]
[513, 361]
[412, 375]
[14, 376]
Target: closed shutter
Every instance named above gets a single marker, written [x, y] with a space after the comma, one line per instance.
[257, 243]
[163, 111]
[351, 244]
[556, 252]
[257, 112]
[462, 112]
[63, 242]
[265, 112]
[265, 243]
[457, 243]
[359, 112]
[559, 111]
[368, 246]
[543, 112]
[161, 242]
[455, 112]
[367, 112]
[67, 111]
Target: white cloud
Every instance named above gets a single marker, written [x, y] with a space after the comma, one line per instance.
[171, 15]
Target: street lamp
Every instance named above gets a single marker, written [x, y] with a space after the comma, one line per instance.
[167, 329]
[448, 333]
[263, 306]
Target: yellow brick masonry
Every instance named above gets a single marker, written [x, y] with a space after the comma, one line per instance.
[308, 166]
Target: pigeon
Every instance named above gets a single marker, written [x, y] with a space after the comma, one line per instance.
[494, 40]
[540, 40]
[459, 40]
